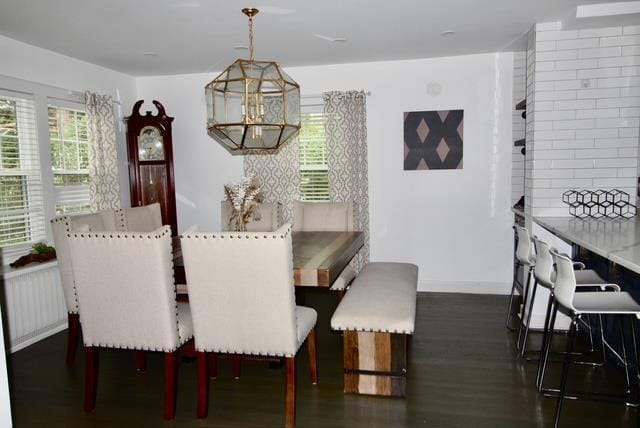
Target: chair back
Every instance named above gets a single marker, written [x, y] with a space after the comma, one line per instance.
[268, 221]
[523, 250]
[543, 269]
[61, 226]
[565, 285]
[146, 218]
[125, 288]
[241, 291]
[323, 216]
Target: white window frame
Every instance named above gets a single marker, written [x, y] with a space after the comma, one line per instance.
[313, 104]
[81, 190]
[43, 96]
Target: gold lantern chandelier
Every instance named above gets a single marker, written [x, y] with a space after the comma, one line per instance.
[252, 105]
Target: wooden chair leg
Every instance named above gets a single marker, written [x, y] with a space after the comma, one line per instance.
[290, 396]
[170, 384]
[141, 361]
[203, 383]
[236, 366]
[72, 338]
[213, 366]
[313, 355]
[91, 378]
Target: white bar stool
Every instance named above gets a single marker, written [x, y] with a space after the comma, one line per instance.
[525, 258]
[585, 303]
[544, 275]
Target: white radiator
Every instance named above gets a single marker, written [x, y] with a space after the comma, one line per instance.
[34, 304]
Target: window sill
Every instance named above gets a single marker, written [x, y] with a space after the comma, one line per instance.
[7, 272]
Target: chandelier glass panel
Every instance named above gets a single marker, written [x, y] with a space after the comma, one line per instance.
[252, 105]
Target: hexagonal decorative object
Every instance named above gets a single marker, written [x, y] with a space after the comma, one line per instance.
[584, 196]
[569, 197]
[577, 210]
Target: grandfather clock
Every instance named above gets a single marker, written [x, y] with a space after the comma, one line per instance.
[150, 151]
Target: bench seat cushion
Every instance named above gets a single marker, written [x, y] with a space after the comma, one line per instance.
[381, 299]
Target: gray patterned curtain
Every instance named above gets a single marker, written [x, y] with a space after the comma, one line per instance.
[104, 187]
[346, 133]
[279, 172]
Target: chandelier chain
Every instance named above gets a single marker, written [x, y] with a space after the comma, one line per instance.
[251, 57]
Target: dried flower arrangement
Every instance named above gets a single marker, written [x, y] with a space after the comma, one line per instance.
[244, 195]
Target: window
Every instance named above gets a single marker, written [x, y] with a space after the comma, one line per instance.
[21, 202]
[69, 159]
[314, 173]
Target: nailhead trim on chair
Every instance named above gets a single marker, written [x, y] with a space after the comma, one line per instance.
[134, 235]
[67, 224]
[242, 352]
[230, 235]
[371, 330]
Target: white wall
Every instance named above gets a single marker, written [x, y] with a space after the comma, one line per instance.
[455, 225]
[33, 64]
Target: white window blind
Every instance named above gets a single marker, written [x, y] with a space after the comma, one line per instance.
[21, 202]
[314, 174]
[69, 159]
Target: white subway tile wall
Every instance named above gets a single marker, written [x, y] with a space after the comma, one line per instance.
[583, 89]
[519, 94]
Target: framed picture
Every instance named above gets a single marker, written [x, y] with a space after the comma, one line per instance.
[433, 139]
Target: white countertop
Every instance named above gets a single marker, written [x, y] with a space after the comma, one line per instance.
[617, 240]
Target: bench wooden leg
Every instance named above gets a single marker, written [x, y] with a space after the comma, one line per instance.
[375, 363]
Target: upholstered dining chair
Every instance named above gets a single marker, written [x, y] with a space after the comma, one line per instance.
[61, 227]
[241, 294]
[146, 218]
[327, 217]
[268, 222]
[127, 300]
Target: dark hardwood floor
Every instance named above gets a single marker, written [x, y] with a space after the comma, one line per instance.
[462, 373]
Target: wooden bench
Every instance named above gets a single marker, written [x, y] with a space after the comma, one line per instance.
[376, 315]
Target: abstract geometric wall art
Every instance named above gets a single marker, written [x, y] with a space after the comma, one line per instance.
[433, 139]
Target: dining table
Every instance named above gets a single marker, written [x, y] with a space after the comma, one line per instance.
[318, 257]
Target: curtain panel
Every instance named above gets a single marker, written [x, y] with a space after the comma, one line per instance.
[346, 140]
[104, 187]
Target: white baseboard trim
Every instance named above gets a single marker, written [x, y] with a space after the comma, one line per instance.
[37, 336]
[471, 287]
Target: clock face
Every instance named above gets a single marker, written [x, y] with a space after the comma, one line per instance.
[150, 144]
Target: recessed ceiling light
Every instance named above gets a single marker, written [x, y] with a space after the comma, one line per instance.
[241, 47]
[186, 5]
[448, 33]
[150, 53]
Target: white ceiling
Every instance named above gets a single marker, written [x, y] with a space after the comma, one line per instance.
[191, 36]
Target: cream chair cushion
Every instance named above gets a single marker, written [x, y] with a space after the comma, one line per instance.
[241, 293]
[61, 226]
[269, 212]
[323, 216]
[140, 219]
[126, 292]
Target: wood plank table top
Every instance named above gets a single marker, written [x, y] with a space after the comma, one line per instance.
[319, 257]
